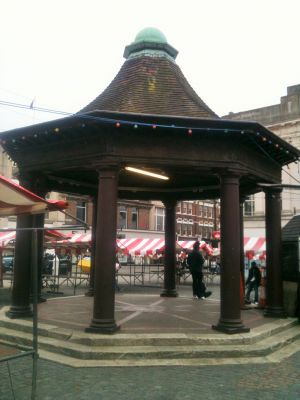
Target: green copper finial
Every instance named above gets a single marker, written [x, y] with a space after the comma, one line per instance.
[150, 41]
[150, 35]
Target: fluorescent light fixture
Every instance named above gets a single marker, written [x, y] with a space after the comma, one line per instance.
[143, 172]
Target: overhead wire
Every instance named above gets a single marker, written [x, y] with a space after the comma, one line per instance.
[66, 114]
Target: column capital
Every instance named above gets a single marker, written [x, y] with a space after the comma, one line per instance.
[230, 177]
[273, 190]
[169, 202]
[108, 171]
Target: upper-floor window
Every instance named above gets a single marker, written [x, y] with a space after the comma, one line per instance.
[81, 210]
[159, 219]
[249, 206]
[209, 211]
[134, 218]
[122, 220]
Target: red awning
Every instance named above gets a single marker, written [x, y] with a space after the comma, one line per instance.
[252, 245]
[188, 245]
[7, 237]
[141, 246]
[256, 244]
[15, 200]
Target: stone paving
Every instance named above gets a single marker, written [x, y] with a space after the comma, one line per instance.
[232, 382]
[226, 382]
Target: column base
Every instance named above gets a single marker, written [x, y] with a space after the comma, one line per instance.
[19, 312]
[90, 292]
[169, 293]
[102, 326]
[231, 327]
[41, 300]
[275, 312]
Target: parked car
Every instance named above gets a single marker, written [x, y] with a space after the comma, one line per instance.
[7, 263]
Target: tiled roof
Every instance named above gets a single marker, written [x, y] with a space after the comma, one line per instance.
[291, 231]
[151, 85]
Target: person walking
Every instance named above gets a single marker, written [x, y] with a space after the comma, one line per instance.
[195, 262]
[253, 282]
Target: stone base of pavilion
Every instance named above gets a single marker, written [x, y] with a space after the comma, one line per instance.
[231, 327]
[154, 330]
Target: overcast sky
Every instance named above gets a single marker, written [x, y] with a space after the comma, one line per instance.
[237, 54]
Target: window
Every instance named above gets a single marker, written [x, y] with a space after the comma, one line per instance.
[249, 206]
[159, 219]
[190, 208]
[122, 220]
[209, 212]
[134, 218]
[81, 210]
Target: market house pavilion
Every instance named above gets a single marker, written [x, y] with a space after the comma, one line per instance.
[151, 119]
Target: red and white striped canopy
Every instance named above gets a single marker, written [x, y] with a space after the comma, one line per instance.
[50, 234]
[6, 237]
[141, 246]
[15, 200]
[256, 244]
[188, 245]
[80, 238]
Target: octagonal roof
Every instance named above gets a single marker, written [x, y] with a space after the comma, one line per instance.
[150, 82]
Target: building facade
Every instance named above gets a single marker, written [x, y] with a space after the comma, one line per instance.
[284, 120]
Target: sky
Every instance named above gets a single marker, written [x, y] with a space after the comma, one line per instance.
[61, 54]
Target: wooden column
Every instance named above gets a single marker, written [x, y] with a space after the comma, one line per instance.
[39, 220]
[242, 254]
[170, 250]
[20, 302]
[230, 318]
[103, 320]
[90, 291]
[274, 284]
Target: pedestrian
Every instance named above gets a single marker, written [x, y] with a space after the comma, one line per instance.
[195, 262]
[253, 282]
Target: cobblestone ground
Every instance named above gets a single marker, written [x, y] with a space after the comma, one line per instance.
[232, 382]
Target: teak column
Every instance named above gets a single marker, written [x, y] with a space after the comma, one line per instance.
[170, 250]
[230, 318]
[20, 301]
[274, 284]
[103, 320]
[90, 291]
[242, 254]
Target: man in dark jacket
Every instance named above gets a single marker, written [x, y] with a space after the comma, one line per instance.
[253, 282]
[195, 262]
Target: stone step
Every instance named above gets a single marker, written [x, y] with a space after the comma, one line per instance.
[157, 339]
[264, 347]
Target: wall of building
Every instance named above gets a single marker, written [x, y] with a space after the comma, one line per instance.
[283, 119]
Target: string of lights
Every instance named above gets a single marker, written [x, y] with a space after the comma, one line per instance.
[118, 123]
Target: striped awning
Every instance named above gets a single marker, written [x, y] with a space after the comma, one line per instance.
[79, 238]
[256, 244]
[16, 200]
[253, 245]
[7, 237]
[141, 246]
[188, 245]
